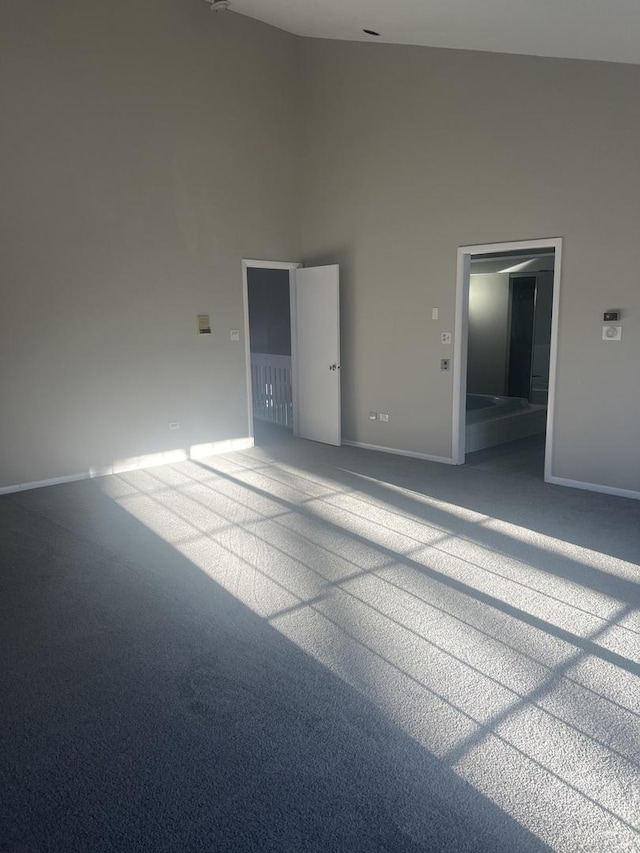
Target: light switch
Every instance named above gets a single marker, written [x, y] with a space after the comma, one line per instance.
[434, 313]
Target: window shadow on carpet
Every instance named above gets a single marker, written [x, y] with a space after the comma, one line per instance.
[145, 708]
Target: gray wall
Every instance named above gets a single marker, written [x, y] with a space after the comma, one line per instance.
[412, 152]
[146, 148]
[488, 325]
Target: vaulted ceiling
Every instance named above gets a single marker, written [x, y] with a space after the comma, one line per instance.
[607, 30]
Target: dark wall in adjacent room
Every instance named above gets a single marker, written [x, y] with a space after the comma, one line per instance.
[269, 311]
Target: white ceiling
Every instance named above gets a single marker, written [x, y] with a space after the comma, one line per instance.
[522, 264]
[578, 29]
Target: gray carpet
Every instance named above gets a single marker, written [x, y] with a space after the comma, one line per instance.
[307, 648]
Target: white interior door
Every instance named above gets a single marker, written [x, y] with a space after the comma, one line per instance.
[318, 354]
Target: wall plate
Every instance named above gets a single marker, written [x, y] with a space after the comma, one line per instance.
[612, 333]
[204, 324]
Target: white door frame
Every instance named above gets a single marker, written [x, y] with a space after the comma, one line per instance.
[292, 266]
[462, 333]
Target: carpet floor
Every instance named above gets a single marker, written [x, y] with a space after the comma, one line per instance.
[308, 648]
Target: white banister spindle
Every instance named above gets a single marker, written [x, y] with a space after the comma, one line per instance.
[271, 388]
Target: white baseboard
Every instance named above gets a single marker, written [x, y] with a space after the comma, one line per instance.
[39, 484]
[138, 463]
[216, 448]
[410, 453]
[594, 487]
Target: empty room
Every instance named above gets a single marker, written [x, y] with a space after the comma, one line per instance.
[319, 426]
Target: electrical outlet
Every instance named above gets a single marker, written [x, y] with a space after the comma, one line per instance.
[234, 334]
[445, 338]
[383, 417]
[174, 425]
[445, 364]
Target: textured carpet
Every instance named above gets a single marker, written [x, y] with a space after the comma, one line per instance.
[307, 648]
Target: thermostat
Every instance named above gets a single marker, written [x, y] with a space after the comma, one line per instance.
[204, 324]
[612, 333]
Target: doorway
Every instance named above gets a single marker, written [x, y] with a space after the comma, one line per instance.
[292, 350]
[269, 292]
[505, 352]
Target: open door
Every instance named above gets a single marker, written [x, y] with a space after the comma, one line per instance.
[317, 345]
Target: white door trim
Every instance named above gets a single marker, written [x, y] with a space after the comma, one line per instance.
[461, 338]
[292, 266]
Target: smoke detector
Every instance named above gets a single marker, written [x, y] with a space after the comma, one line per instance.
[219, 5]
